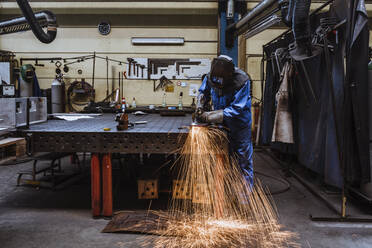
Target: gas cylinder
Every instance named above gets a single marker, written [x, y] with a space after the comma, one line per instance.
[58, 95]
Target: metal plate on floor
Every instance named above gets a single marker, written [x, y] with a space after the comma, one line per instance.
[143, 222]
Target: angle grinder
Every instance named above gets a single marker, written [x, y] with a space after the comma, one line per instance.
[195, 123]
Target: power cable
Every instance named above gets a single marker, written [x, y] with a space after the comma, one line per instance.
[281, 180]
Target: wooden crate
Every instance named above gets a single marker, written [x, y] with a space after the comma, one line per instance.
[180, 192]
[148, 189]
[11, 148]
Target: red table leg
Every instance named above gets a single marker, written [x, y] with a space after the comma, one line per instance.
[96, 185]
[107, 185]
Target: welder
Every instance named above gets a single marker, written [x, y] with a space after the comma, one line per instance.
[228, 88]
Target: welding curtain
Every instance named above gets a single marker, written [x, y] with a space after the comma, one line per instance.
[357, 71]
[314, 129]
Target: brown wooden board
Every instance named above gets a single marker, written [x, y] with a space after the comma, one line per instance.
[11, 149]
[10, 141]
[142, 222]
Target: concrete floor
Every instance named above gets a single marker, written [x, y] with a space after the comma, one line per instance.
[31, 217]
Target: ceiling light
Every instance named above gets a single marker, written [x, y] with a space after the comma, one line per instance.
[157, 41]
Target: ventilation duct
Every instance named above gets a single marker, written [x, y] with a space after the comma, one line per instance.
[266, 23]
[265, 11]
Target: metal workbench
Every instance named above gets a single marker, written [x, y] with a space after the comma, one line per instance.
[159, 135]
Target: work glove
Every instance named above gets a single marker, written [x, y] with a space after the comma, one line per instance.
[211, 117]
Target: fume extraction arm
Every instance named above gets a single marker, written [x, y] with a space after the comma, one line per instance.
[293, 13]
[32, 21]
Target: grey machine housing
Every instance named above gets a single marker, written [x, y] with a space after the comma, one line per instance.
[14, 111]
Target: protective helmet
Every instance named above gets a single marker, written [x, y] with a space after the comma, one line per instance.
[222, 71]
[27, 72]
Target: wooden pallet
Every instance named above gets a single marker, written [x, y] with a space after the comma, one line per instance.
[11, 149]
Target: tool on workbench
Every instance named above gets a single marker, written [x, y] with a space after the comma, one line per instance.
[110, 104]
[134, 105]
[122, 120]
[123, 105]
[180, 104]
[193, 105]
[164, 104]
[140, 122]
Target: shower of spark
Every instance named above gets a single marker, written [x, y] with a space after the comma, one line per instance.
[219, 208]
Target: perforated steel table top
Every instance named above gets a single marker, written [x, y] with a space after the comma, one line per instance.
[155, 124]
[161, 134]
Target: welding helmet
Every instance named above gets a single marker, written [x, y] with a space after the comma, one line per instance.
[222, 70]
[27, 72]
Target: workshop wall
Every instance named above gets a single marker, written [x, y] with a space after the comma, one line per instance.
[71, 41]
[77, 41]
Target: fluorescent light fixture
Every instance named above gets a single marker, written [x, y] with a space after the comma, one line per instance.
[157, 41]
